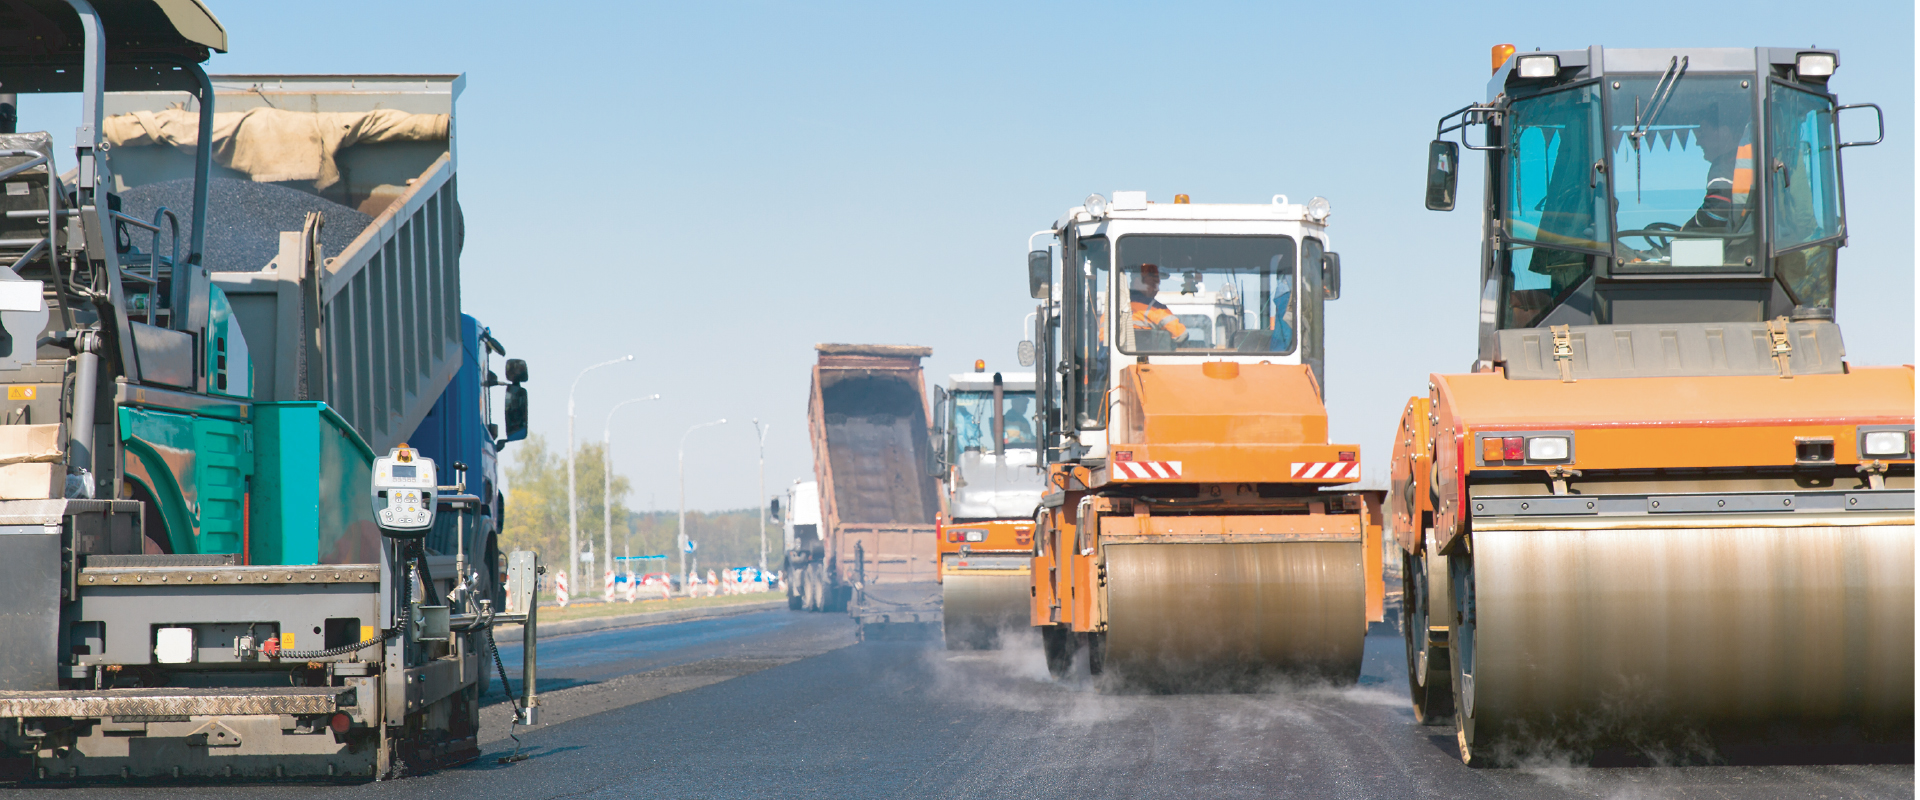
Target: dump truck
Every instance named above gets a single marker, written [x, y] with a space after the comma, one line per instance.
[202, 577]
[798, 513]
[874, 557]
[1662, 507]
[985, 453]
[1194, 531]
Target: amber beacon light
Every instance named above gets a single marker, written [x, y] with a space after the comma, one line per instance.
[1501, 52]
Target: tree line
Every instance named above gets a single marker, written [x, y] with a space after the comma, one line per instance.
[537, 514]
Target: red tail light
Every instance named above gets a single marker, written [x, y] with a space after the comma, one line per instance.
[1513, 448]
[956, 536]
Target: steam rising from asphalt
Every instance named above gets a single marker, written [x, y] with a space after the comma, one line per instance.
[1291, 726]
[1015, 677]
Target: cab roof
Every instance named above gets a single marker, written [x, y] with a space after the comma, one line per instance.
[42, 44]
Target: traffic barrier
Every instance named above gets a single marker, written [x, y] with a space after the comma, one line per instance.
[608, 593]
[560, 589]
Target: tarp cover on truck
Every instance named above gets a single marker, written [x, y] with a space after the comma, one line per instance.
[271, 144]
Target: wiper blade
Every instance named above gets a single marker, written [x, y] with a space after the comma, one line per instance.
[1662, 92]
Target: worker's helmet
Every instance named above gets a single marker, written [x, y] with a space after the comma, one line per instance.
[1145, 273]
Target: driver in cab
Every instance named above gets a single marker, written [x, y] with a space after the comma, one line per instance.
[1729, 153]
[1149, 314]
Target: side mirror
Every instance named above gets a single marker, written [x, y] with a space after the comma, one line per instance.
[1443, 174]
[1040, 273]
[516, 411]
[1024, 352]
[516, 372]
[937, 435]
[1330, 275]
[1880, 123]
[773, 511]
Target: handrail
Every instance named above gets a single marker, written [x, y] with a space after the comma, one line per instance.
[53, 221]
[38, 159]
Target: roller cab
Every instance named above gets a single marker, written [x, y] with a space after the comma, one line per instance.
[1192, 534]
[986, 456]
[1663, 508]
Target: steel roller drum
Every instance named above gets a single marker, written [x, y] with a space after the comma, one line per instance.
[1220, 615]
[1627, 634]
[976, 609]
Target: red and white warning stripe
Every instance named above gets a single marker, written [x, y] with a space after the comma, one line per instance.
[1146, 470]
[1325, 470]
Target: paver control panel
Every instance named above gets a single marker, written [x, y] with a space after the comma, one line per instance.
[404, 483]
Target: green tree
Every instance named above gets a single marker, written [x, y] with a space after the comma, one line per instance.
[726, 538]
[537, 500]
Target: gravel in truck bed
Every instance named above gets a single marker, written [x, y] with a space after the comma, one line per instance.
[244, 219]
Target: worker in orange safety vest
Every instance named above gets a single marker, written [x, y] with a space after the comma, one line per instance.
[1149, 314]
[1729, 174]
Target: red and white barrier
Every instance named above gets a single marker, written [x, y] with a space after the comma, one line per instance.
[560, 588]
[608, 594]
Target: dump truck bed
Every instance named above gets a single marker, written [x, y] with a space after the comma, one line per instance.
[868, 418]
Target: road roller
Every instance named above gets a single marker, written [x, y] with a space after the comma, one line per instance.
[986, 455]
[1662, 510]
[1191, 535]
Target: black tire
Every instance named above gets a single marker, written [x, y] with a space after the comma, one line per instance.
[1473, 752]
[1096, 653]
[1059, 644]
[813, 591]
[1429, 674]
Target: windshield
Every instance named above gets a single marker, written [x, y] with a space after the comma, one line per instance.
[973, 421]
[1206, 294]
[1683, 155]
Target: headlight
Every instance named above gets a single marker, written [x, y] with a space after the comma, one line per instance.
[1540, 66]
[1814, 65]
[1884, 443]
[1547, 448]
[976, 536]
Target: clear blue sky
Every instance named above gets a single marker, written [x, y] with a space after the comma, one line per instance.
[714, 187]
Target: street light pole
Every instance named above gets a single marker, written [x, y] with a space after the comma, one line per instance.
[762, 513]
[606, 473]
[573, 511]
[684, 580]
